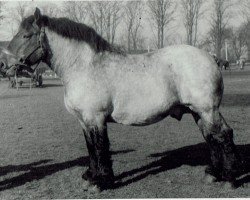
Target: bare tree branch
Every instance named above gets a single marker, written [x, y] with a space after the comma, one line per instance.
[1, 11]
[133, 19]
[19, 12]
[238, 40]
[105, 17]
[162, 13]
[76, 10]
[191, 10]
[219, 23]
[16, 14]
[51, 10]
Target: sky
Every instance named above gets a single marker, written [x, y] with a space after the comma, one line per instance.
[177, 29]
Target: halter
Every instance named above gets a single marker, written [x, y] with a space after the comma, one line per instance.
[39, 46]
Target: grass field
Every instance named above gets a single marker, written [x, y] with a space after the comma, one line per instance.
[43, 152]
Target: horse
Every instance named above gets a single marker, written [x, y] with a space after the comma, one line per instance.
[103, 84]
[222, 63]
[225, 64]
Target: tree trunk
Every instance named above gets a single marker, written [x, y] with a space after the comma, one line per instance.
[159, 37]
[162, 36]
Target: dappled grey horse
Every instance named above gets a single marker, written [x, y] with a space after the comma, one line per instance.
[103, 84]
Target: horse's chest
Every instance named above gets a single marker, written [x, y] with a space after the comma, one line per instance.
[85, 96]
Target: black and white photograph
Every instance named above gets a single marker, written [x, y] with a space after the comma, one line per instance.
[124, 99]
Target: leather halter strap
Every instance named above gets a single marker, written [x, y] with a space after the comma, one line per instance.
[40, 45]
[22, 61]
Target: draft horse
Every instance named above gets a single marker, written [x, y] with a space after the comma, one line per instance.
[103, 84]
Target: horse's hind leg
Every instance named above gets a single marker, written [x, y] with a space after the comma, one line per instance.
[99, 173]
[231, 159]
[219, 137]
[214, 170]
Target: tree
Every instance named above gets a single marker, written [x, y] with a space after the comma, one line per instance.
[15, 15]
[219, 22]
[19, 12]
[50, 10]
[1, 10]
[238, 41]
[191, 10]
[245, 9]
[162, 13]
[105, 17]
[133, 19]
[76, 10]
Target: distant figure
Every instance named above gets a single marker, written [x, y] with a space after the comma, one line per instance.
[241, 62]
[221, 63]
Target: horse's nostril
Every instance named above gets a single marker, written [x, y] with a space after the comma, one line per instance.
[2, 65]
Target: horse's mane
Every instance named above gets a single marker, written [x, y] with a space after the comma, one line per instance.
[73, 30]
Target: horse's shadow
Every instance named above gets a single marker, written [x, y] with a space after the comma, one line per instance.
[33, 171]
[194, 155]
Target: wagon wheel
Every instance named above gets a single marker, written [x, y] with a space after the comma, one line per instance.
[40, 80]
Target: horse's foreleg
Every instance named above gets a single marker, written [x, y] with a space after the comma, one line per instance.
[100, 171]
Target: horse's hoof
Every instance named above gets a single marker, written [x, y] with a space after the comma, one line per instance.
[230, 186]
[210, 179]
[94, 189]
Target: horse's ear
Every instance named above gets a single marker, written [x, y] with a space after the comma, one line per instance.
[38, 15]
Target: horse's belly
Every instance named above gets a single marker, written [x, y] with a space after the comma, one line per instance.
[137, 120]
[139, 116]
[142, 111]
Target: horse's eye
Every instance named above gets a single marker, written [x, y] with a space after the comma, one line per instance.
[27, 36]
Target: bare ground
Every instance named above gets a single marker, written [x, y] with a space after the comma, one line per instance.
[43, 152]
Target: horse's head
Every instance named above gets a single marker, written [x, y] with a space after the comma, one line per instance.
[30, 43]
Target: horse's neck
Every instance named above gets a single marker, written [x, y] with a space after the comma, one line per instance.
[68, 54]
